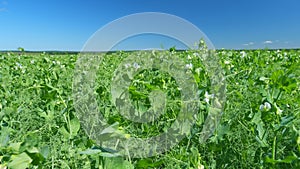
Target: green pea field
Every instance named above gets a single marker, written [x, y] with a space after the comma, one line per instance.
[258, 126]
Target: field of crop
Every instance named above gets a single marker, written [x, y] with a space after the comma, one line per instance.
[259, 128]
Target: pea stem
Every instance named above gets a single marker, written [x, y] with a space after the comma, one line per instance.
[274, 148]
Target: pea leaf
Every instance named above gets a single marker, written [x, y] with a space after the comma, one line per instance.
[20, 161]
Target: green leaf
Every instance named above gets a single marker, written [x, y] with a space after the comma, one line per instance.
[288, 159]
[222, 130]
[20, 161]
[285, 121]
[99, 152]
[117, 163]
[262, 133]
[146, 163]
[105, 154]
[257, 118]
[33, 150]
[90, 151]
[45, 151]
[74, 127]
[4, 137]
[110, 129]
[64, 132]
[15, 146]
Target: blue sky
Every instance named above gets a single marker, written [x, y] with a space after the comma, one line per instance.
[67, 25]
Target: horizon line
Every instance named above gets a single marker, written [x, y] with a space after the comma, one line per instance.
[133, 50]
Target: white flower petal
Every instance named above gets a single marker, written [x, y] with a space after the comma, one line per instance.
[267, 106]
[261, 107]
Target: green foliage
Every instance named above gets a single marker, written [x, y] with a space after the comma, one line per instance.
[260, 126]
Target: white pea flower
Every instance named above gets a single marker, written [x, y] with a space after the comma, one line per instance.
[189, 57]
[189, 66]
[226, 62]
[243, 54]
[32, 61]
[198, 71]
[266, 106]
[208, 97]
[201, 166]
[127, 65]
[19, 65]
[206, 100]
[136, 65]
[196, 54]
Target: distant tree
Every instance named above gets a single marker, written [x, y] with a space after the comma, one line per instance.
[21, 49]
[172, 49]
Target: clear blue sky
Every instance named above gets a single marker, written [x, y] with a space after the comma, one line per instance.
[67, 25]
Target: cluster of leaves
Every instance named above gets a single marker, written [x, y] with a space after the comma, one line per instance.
[260, 126]
[38, 126]
[261, 117]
